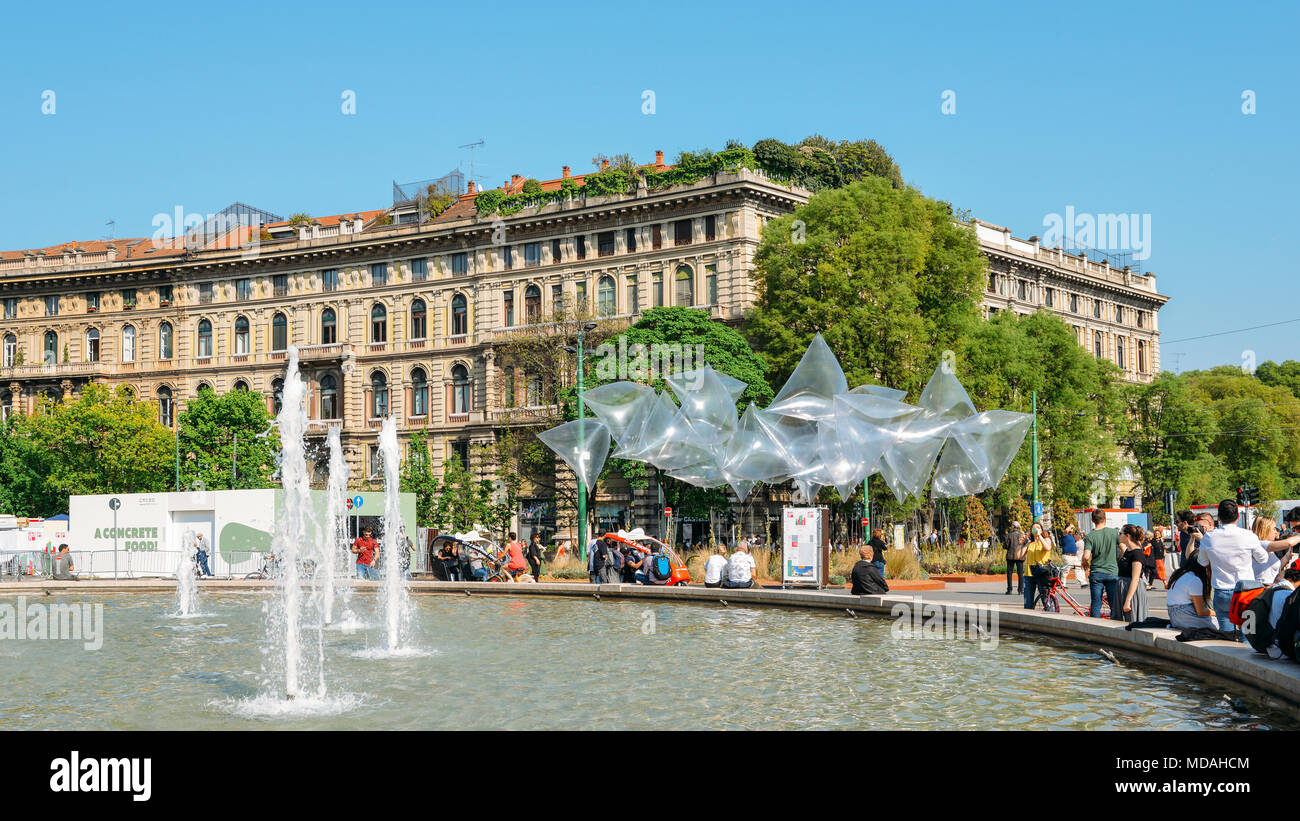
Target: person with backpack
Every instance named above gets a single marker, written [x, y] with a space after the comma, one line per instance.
[1266, 624]
[1231, 553]
[605, 563]
[1186, 600]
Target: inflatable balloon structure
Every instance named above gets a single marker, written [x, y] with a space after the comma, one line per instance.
[816, 433]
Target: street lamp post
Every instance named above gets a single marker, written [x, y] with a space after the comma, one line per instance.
[582, 486]
[1033, 457]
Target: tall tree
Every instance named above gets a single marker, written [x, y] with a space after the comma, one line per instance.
[888, 276]
[418, 478]
[103, 441]
[1003, 361]
[227, 441]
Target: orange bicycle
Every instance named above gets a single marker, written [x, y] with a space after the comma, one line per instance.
[1051, 588]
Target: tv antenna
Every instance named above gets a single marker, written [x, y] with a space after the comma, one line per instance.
[471, 147]
[112, 228]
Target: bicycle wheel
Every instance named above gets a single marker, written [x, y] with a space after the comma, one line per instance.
[1050, 604]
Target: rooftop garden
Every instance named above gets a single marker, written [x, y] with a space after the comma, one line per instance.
[816, 163]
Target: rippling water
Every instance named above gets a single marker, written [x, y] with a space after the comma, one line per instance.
[495, 662]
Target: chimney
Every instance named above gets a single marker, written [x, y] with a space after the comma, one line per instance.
[565, 172]
[472, 187]
[516, 182]
[659, 157]
[604, 165]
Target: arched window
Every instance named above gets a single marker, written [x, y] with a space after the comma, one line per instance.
[534, 397]
[378, 323]
[165, 339]
[508, 387]
[51, 350]
[459, 315]
[165, 406]
[685, 282]
[279, 332]
[329, 397]
[6, 405]
[11, 351]
[532, 304]
[1119, 352]
[241, 335]
[606, 303]
[419, 320]
[128, 343]
[1142, 357]
[419, 392]
[241, 386]
[329, 330]
[459, 389]
[277, 395]
[378, 395]
[205, 339]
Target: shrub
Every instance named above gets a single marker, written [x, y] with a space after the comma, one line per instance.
[838, 581]
[902, 564]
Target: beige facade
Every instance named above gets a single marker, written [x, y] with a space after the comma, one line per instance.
[404, 318]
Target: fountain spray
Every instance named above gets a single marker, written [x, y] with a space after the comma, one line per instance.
[334, 545]
[396, 598]
[187, 593]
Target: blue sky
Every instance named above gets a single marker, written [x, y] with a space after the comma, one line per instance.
[1117, 108]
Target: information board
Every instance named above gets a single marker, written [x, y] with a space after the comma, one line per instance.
[805, 547]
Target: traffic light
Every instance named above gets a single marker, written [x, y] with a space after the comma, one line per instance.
[1247, 495]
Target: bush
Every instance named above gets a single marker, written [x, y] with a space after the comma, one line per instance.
[569, 573]
[532, 186]
[902, 564]
[838, 581]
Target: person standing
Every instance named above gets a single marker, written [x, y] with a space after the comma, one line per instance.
[201, 554]
[534, 556]
[717, 564]
[1277, 546]
[1101, 561]
[1016, 544]
[1155, 551]
[1070, 554]
[877, 545]
[1131, 565]
[1038, 550]
[867, 580]
[366, 549]
[1231, 553]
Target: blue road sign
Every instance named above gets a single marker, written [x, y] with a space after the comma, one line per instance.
[356, 501]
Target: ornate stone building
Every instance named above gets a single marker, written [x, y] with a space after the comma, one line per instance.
[395, 313]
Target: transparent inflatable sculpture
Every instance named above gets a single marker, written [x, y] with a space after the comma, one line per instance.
[816, 433]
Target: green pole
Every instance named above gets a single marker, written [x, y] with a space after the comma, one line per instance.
[1033, 455]
[582, 486]
[866, 510]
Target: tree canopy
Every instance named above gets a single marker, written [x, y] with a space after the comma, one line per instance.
[224, 432]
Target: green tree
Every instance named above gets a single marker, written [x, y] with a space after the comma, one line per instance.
[1169, 432]
[1018, 511]
[887, 276]
[23, 470]
[1285, 375]
[225, 441]
[975, 521]
[1003, 361]
[102, 441]
[462, 501]
[417, 477]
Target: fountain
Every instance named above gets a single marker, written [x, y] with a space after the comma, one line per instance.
[187, 586]
[334, 546]
[291, 536]
[396, 598]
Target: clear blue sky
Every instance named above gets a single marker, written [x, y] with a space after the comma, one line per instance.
[1110, 108]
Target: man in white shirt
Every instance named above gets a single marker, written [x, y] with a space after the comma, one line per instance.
[716, 564]
[740, 570]
[1230, 552]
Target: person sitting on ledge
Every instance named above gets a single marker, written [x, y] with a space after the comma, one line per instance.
[63, 565]
[1186, 600]
[740, 570]
[717, 564]
[867, 578]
